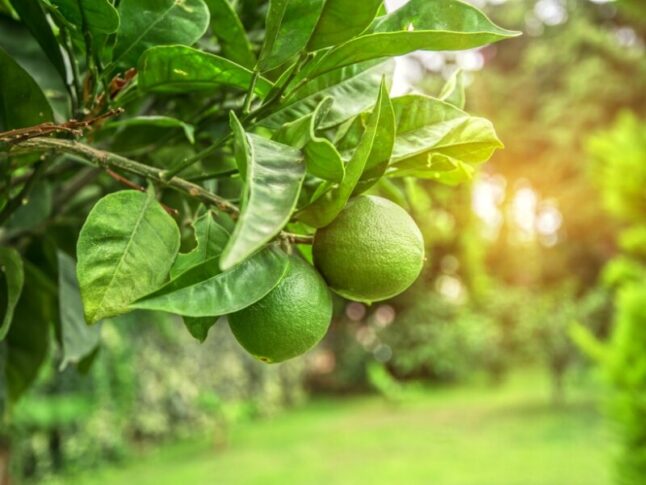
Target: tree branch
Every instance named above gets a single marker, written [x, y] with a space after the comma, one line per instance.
[107, 160]
[72, 127]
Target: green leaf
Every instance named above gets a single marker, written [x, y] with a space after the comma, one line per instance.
[354, 90]
[34, 211]
[274, 174]
[230, 32]
[437, 25]
[289, 25]
[158, 121]
[180, 69]
[150, 23]
[327, 207]
[28, 339]
[427, 125]
[241, 145]
[33, 16]
[97, 18]
[192, 295]
[199, 327]
[321, 157]
[22, 103]
[125, 250]
[78, 339]
[11, 281]
[211, 239]
[453, 90]
[438, 167]
[342, 20]
[379, 158]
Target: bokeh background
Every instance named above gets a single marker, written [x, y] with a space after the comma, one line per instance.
[518, 357]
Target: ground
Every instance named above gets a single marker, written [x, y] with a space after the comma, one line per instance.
[479, 435]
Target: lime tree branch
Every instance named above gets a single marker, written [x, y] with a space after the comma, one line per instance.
[110, 161]
[107, 160]
[72, 127]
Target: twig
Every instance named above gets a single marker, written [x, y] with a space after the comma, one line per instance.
[297, 238]
[125, 181]
[214, 175]
[128, 183]
[72, 127]
[186, 163]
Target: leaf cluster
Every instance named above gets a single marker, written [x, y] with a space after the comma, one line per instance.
[237, 141]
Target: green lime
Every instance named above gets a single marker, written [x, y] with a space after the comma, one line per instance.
[290, 320]
[372, 251]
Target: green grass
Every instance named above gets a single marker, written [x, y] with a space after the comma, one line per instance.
[467, 436]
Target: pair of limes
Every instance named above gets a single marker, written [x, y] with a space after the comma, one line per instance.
[372, 251]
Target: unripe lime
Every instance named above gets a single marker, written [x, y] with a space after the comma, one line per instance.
[372, 251]
[290, 320]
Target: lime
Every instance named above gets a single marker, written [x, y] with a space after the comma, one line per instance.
[290, 320]
[373, 250]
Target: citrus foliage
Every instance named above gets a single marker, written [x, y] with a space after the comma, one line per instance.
[235, 142]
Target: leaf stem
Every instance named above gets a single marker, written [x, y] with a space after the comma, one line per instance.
[249, 97]
[186, 163]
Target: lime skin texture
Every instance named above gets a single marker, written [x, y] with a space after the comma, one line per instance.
[371, 251]
[289, 320]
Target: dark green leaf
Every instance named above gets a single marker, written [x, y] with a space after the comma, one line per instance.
[241, 146]
[96, 18]
[327, 207]
[11, 281]
[78, 339]
[453, 90]
[230, 32]
[199, 327]
[150, 23]
[382, 149]
[353, 89]
[211, 239]
[33, 16]
[437, 25]
[342, 20]
[28, 338]
[34, 210]
[22, 103]
[289, 25]
[227, 292]
[180, 69]
[159, 121]
[321, 157]
[274, 174]
[125, 250]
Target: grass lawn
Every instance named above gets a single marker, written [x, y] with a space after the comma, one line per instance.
[466, 436]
